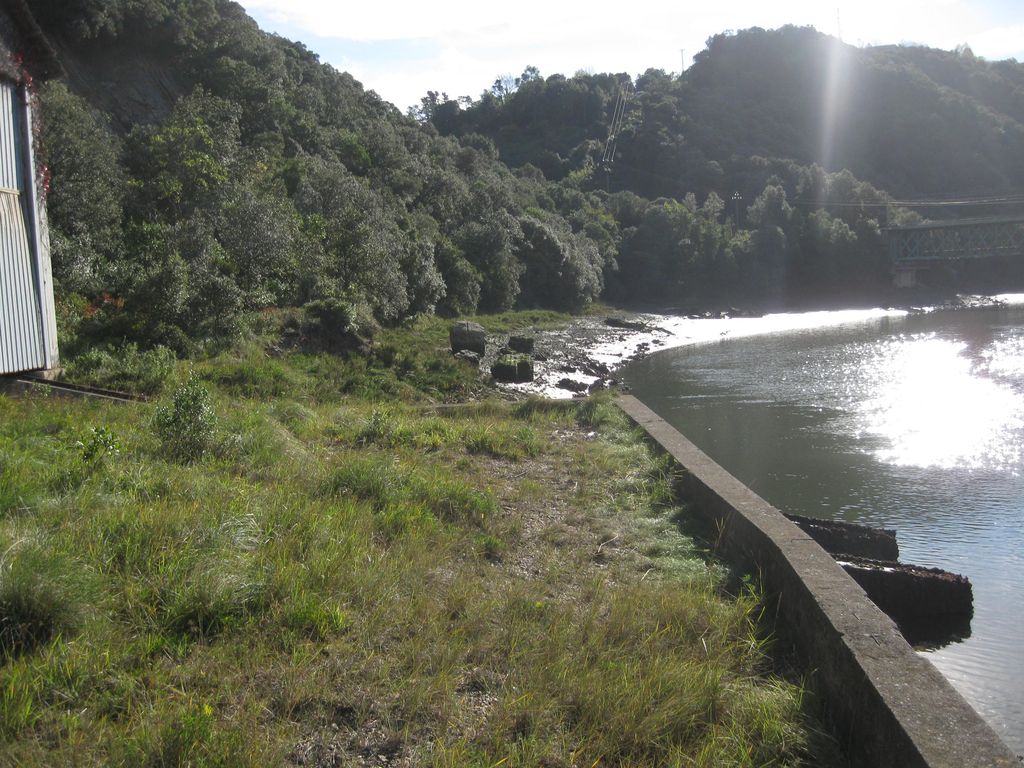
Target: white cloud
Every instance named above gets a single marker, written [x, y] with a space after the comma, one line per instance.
[475, 42]
[398, 20]
[999, 42]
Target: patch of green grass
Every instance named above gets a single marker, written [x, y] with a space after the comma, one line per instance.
[16, 492]
[501, 441]
[126, 368]
[42, 595]
[256, 376]
[349, 577]
[395, 490]
[495, 437]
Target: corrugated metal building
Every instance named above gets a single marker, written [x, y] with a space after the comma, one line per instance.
[28, 328]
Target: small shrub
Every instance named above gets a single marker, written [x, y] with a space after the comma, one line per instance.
[186, 425]
[89, 457]
[490, 547]
[98, 444]
[338, 326]
[379, 429]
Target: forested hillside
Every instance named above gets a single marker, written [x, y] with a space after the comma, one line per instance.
[911, 120]
[203, 170]
[798, 139]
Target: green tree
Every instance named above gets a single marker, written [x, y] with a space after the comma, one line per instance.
[85, 202]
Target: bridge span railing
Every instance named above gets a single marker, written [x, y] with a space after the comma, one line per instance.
[953, 240]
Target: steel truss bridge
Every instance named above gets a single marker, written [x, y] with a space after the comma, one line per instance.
[924, 245]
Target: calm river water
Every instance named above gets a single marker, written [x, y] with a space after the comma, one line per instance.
[913, 422]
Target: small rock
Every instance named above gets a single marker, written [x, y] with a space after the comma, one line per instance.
[632, 325]
[468, 356]
[521, 343]
[513, 369]
[467, 335]
[572, 385]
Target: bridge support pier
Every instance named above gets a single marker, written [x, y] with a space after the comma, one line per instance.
[905, 277]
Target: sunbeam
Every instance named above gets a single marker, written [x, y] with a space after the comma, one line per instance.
[834, 94]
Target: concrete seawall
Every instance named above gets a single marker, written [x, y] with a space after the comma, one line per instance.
[889, 705]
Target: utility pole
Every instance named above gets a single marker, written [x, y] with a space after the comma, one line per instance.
[736, 197]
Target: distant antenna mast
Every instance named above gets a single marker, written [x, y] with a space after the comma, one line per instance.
[682, 62]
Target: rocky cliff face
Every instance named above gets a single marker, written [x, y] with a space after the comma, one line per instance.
[127, 84]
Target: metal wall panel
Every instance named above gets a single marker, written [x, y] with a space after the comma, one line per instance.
[22, 346]
[11, 176]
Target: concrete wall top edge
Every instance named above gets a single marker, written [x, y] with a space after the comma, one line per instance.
[893, 706]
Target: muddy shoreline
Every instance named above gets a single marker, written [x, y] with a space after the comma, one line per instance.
[585, 356]
[567, 362]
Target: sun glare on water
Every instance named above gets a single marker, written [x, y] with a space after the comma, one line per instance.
[934, 407]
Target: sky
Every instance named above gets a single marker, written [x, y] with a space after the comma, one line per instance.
[459, 47]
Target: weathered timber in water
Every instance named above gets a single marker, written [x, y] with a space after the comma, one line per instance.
[928, 604]
[890, 707]
[841, 538]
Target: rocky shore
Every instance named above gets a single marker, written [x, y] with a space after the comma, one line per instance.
[585, 355]
[580, 358]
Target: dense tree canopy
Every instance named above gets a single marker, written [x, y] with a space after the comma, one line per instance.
[788, 138]
[230, 171]
[236, 172]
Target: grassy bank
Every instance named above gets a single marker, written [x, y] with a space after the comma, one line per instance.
[296, 559]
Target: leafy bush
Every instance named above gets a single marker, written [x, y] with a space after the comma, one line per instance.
[186, 425]
[338, 325]
[100, 443]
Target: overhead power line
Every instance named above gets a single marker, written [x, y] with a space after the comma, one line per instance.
[613, 129]
[940, 203]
